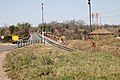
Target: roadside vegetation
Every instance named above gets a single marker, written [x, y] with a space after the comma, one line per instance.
[40, 62]
[111, 45]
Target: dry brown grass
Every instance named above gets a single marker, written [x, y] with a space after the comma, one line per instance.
[79, 44]
[110, 45]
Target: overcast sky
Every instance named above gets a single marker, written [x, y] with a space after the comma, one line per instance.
[17, 11]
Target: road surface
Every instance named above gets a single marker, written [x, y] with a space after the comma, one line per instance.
[7, 47]
[34, 37]
[4, 48]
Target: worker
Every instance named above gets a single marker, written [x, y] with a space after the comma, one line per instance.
[62, 38]
[93, 44]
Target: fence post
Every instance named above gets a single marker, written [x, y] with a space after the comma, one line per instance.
[18, 44]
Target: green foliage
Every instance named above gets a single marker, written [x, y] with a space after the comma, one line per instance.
[7, 38]
[2, 32]
[45, 60]
[12, 29]
[21, 29]
[45, 28]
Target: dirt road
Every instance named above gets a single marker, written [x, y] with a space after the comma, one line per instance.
[2, 73]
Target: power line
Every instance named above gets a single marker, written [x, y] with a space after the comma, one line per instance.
[111, 11]
[111, 16]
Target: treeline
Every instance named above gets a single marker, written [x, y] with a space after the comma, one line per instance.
[75, 29]
[21, 30]
[71, 29]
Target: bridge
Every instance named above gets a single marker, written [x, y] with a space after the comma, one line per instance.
[34, 39]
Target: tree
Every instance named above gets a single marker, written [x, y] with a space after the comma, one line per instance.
[12, 29]
[23, 30]
[2, 32]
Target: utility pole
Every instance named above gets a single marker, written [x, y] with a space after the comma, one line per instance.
[100, 22]
[42, 28]
[89, 3]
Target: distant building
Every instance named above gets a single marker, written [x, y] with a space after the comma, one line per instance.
[101, 34]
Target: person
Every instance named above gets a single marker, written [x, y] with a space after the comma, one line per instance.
[83, 38]
[93, 44]
[62, 39]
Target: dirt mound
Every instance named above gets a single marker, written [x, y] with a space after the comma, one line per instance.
[111, 49]
[110, 46]
[79, 44]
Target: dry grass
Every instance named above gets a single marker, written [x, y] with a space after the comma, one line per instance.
[41, 63]
[106, 45]
[79, 44]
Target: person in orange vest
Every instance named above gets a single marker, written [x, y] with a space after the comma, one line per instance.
[62, 38]
[93, 44]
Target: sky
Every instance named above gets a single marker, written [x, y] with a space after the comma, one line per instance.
[18, 11]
